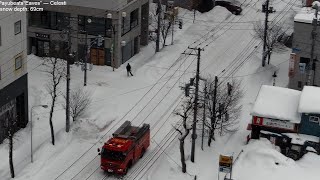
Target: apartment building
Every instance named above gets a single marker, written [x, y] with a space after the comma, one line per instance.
[122, 24]
[301, 47]
[13, 70]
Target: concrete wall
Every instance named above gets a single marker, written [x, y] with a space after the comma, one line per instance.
[13, 82]
[301, 45]
[12, 46]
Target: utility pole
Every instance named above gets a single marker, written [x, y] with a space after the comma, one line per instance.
[204, 113]
[159, 24]
[221, 106]
[213, 119]
[86, 60]
[314, 36]
[314, 71]
[264, 52]
[195, 111]
[194, 15]
[172, 25]
[68, 81]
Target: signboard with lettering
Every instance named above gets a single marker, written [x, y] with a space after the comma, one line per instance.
[225, 163]
[260, 121]
[43, 36]
[292, 61]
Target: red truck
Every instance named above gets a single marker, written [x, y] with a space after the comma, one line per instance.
[127, 146]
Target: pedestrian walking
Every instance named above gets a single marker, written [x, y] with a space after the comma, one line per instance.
[128, 67]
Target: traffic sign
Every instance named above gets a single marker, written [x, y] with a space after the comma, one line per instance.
[225, 163]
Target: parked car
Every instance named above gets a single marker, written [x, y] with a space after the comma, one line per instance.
[233, 8]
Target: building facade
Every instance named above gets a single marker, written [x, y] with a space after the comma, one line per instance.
[123, 26]
[13, 70]
[310, 124]
[186, 4]
[292, 122]
[301, 47]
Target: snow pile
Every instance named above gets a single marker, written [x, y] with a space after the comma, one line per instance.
[310, 100]
[260, 160]
[306, 15]
[301, 138]
[316, 3]
[277, 103]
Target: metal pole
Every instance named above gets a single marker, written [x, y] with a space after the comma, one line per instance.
[31, 136]
[204, 113]
[68, 83]
[231, 167]
[194, 133]
[113, 49]
[313, 35]
[172, 26]
[264, 54]
[194, 15]
[159, 24]
[86, 60]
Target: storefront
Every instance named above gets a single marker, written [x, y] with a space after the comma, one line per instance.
[14, 98]
[40, 44]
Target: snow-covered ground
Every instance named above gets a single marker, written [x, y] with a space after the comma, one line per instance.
[151, 95]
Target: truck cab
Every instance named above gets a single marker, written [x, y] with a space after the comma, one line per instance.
[126, 147]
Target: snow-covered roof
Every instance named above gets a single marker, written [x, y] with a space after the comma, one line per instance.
[270, 133]
[301, 138]
[306, 15]
[277, 103]
[98, 4]
[310, 100]
[311, 149]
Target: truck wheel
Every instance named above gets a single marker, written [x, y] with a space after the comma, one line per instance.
[125, 171]
[142, 152]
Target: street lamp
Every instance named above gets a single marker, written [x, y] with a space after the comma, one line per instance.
[44, 106]
[109, 16]
[113, 29]
[123, 44]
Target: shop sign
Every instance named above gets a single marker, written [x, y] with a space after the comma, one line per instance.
[292, 61]
[260, 121]
[225, 163]
[43, 36]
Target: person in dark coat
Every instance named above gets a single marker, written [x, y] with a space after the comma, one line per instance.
[129, 69]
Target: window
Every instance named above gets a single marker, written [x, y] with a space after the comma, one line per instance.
[304, 60]
[59, 21]
[299, 84]
[49, 20]
[134, 16]
[17, 27]
[125, 25]
[18, 62]
[314, 119]
[97, 26]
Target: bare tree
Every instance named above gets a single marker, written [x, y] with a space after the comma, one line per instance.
[184, 113]
[165, 25]
[11, 129]
[80, 101]
[56, 71]
[274, 34]
[224, 111]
